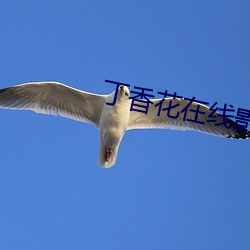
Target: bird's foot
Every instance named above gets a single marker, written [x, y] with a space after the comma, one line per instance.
[108, 154]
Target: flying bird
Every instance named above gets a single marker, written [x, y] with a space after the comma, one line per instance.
[113, 121]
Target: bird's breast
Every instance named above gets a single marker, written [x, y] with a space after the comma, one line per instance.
[114, 120]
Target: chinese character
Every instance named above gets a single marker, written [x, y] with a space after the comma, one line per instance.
[116, 91]
[140, 95]
[197, 111]
[243, 117]
[225, 117]
[165, 94]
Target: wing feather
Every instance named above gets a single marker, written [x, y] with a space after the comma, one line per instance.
[56, 99]
[139, 120]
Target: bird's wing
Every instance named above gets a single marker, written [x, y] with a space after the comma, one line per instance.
[54, 98]
[139, 120]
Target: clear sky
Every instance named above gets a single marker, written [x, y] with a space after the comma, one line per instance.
[169, 189]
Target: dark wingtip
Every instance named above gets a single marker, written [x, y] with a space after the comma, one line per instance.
[240, 132]
[3, 90]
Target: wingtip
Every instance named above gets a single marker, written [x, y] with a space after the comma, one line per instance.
[3, 90]
[239, 136]
[238, 131]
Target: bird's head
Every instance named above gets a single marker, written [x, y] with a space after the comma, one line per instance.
[124, 92]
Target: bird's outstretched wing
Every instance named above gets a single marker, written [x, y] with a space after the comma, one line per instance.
[139, 120]
[54, 98]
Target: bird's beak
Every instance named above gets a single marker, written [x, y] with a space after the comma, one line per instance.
[122, 89]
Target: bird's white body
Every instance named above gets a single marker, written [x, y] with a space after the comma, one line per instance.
[113, 125]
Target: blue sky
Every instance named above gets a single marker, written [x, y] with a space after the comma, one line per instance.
[169, 189]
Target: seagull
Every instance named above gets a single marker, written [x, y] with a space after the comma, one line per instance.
[113, 120]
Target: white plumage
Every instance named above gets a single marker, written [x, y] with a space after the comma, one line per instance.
[113, 121]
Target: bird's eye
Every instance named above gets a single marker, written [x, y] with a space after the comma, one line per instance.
[126, 93]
